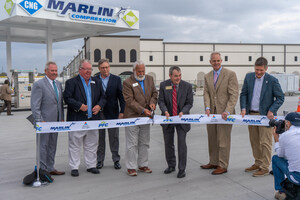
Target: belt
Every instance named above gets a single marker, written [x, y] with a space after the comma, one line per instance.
[253, 111]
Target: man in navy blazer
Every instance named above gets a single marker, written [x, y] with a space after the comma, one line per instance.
[261, 95]
[112, 87]
[85, 98]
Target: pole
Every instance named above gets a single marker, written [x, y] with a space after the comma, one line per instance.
[49, 41]
[37, 183]
[8, 55]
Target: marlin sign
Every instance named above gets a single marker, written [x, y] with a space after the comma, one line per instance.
[83, 11]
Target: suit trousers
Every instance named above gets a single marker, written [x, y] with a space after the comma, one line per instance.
[48, 142]
[89, 140]
[261, 143]
[113, 134]
[219, 138]
[8, 105]
[137, 145]
[170, 149]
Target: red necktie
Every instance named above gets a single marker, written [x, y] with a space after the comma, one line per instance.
[174, 100]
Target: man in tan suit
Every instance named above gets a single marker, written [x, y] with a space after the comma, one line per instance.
[140, 96]
[220, 97]
[5, 93]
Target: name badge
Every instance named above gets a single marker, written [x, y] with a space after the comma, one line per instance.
[168, 87]
[135, 84]
[92, 82]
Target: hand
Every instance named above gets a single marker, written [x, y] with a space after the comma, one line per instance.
[152, 106]
[121, 115]
[207, 112]
[224, 115]
[147, 112]
[180, 114]
[243, 113]
[270, 115]
[96, 109]
[167, 114]
[83, 107]
[276, 136]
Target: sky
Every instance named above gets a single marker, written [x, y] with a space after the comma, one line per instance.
[207, 21]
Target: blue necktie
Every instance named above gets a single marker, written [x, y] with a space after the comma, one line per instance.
[55, 90]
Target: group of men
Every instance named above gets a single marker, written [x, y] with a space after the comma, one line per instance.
[104, 97]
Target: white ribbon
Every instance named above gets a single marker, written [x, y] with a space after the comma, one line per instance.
[49, 127]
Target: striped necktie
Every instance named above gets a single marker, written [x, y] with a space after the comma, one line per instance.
[174, 100]
[55, 90]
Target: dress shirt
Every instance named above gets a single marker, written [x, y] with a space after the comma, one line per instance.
[256, 93]
[51, 83]
[218, 73]
[88, 93]
[288, 148]
[142, 84]
[104, 82]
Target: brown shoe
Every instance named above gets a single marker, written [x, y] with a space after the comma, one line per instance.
[55, 172]
[145, 169]
[252, 168]
[219, 171]
[209, 166]
[261, 172]
[132, 172]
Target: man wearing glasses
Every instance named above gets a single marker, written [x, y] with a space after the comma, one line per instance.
[85, 98]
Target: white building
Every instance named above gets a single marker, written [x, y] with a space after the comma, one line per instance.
[193, 58]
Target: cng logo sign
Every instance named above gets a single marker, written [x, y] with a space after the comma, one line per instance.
[130, 19]
[8, 6]
[31, 6]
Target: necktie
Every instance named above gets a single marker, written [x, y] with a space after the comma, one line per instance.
[174, 100]
[215, 78]
[55, 90]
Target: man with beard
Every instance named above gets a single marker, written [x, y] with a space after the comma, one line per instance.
[140, 96]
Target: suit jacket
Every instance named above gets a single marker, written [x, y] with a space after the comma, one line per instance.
[44, 105]
[74, 96]
[5, 92]
[115, 97]
[135, 98]
[184, 100]
[226, 93]
[271, 97]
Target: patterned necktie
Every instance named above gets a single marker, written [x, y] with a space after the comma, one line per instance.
[174, 100]
[215, 78]
[55, 90]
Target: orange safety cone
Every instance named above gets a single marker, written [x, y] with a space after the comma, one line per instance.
[298, 109]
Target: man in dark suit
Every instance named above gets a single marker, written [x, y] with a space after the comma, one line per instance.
[47, 106]
[261, 95]
[112, 87]
[85, 98]
[175, 98]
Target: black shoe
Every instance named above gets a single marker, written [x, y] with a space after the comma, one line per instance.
[93, 170]
[181, 174]
[117, 165]
[169, 170]
[99, 164]
[74, 172]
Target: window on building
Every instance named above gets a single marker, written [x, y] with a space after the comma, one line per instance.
[132, 55]
[250, 58]
[175, 58]
[296, 58]
[273, 58]
[201, 58]
[122, 55]
[151, 58]
[97, 55]
[108, 55]
[226, 58]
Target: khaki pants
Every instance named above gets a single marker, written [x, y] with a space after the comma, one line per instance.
[261, 143]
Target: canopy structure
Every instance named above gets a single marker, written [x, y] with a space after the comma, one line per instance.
[48, 21]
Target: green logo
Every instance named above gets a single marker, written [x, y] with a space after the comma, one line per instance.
[8, 6]
[130, 19]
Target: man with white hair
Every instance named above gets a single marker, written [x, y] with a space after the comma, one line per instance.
[140, 96]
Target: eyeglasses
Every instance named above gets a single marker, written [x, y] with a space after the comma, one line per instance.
[87, 69]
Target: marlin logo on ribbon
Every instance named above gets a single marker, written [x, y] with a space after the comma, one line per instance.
[62, 128]
[85, 126]
[253, 121]
[192, 119]
[127, 123]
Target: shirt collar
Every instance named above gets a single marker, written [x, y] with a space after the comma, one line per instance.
[219, 70]
[51, 81]
[261, 78]
[105, 77]
[83, 80]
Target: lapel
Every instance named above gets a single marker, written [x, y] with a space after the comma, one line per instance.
[251, 86]
[110, 82]
[50, 88]
[169, 92]
[81, 87]
[264, 87]
[139, 86]
[93, 90]
[220, 78]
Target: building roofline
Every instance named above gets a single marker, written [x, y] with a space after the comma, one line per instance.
[229, 43]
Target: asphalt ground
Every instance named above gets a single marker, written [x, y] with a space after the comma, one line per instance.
[18, 154]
